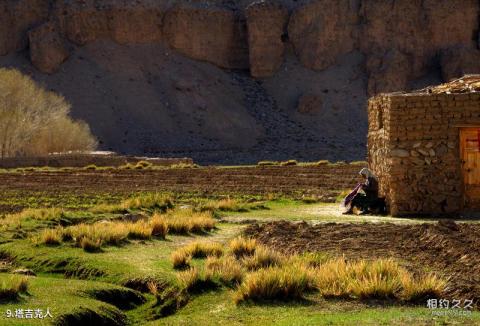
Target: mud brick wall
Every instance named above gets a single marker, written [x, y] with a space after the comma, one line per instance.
[81, 160]
[413, 148]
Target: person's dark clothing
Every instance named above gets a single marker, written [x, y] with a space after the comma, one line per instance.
[369, 200]
[370, 187]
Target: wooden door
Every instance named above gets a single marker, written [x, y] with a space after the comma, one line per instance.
[470, 158]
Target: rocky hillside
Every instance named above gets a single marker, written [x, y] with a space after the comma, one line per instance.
[236, 81]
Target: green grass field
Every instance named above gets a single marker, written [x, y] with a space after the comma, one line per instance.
[133, 282]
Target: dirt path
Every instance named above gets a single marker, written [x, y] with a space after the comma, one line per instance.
[314, 214]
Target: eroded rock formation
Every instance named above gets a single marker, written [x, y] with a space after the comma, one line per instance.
[267, 22]
[388, 33]
[47, 48]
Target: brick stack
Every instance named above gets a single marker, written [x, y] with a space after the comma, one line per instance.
[413, 147]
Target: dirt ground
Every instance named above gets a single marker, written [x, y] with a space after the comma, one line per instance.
[324, 181]
[450, 249]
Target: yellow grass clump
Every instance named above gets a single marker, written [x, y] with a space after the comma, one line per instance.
[262, 258]
[139, 230]
[189, 278]
[159, 226]
[242, 246]
[186, 220]
[181, 257]
[45, 214]
[111, 233]
[226, 269]
[417, 290]
[51, 237]
[155, 201]
[226, 205]
[200, 249]
[276, 283]
[379, 279]
[90, 245]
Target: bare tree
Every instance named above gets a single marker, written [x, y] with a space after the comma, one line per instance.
[34, 121]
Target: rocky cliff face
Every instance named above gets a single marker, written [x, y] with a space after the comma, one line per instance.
[396, 45]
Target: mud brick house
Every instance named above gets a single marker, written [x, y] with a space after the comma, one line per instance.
[424, 148]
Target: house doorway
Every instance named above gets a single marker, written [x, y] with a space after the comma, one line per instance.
[470, 159]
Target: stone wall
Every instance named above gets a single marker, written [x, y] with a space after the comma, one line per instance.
[413, 147]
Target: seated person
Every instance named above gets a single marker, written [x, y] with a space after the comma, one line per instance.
[365, 195]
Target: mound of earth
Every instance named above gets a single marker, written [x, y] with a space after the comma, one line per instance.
[447, 248]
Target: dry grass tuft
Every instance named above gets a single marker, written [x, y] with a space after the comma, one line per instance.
[378, 279]
[200, 249]
[186, 220]
[289, 163]
[182, 256]
[139, 230]
[242, 247]
[226, 269]
[10, 289]
[51, 237]
[154, 201]
[418, 290]
[262, 258]
[44, 214]
[275, 283]
[314, 259]
[141, 165]
[180, 259]
[268, 163]
[159, 226]
[189, 278]
[224, 205]
[90, 245]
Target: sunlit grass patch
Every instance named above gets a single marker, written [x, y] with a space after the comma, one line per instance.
[276, 283]
[226, 269]
[139, 230]
[421, 288]
[180, 259]
[379, 279]
[268, 163]
[141, 165]
[111, 233]
[242, 246]
[186, 220]
[199, 249]
[11, 288]
[184, 166]
[230, 205]
[289, 163]
[51, 237]
[262, 258]
[314, 259]
[202, 249]
[159, 226]
[40, 214]
[90, 245]
[193, 279]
